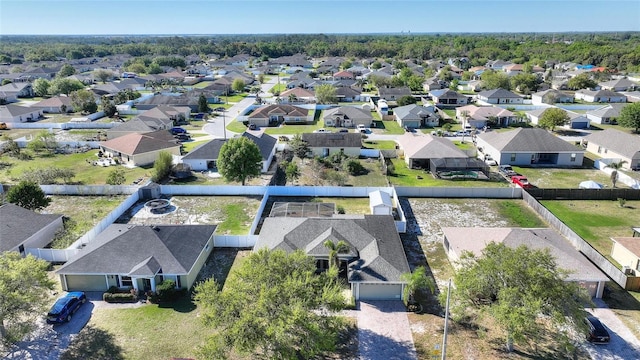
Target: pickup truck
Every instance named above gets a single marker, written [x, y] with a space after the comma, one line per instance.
[507, 171]
[521, 181]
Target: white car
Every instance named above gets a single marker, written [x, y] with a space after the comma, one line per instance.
[322, 131]
[489, 160]
[361, 128]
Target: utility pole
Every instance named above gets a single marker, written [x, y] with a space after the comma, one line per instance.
[446, 322]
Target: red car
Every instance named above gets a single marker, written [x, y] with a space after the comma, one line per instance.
[521, 181]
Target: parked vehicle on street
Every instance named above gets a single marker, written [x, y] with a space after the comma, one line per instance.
[322, 131]
[598, 334]
[361, 128]
[521, 181]
[178, 130]
[343, 130]
[65, 307]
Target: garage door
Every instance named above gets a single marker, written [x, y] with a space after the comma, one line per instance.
[380, 291]
[591, 286]
[86, 283]
[579, 125]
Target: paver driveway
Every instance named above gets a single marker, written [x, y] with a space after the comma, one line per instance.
[384, 332]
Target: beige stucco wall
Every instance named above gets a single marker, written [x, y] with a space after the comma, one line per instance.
[608, 153]
[623, 256]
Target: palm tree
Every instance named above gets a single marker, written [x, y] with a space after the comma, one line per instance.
[418, 280]
[615, 166]
[335, 249]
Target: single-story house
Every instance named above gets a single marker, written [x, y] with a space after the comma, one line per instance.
[626, 251]
[17, 113]
[347, 94]
[139, 257]
[347, 116]
[419, 149]
[448, 98]
[499, 96]
[615, 144]
[416, 116]
[619, 85]
[21, 228]
[576, 120]
[325, 144]
[550, 96]
[20, 89]
[457, 240]
[205, 156]
[471, 85]
[481, 116]
[169, 100]
[380, 203]
[277, 113]
[607, 114]
[529, 147]
[139, 125]
[374, 261]
[297, 95]
[342, 75]
[140, 149]
[601, 96]
[393, 93]
[54, 105]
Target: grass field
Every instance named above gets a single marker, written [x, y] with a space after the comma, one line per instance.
[285, 129]
[412, 177]
[236, 126]
[563, 178]
[379, 144]
[389, 127]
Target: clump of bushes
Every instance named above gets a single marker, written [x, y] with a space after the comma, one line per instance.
[115, 295]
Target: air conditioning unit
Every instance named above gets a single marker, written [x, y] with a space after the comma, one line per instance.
[627, 270]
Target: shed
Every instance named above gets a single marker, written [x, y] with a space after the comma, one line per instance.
[380, 203]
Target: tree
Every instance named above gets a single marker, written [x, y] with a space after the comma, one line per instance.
[518, 286]
[417, 280]
[335, 248]
[84, 100]
[291, 171]
[25, 292]
[116, 177]
[239, 160]
[162, 166]
[261, 78]
[630, 116]
[109, 108]
[266, 308]
[203, 104]
[102, 75]
[407, 100]
[29, 195]
[64, 86]
[238, 85]
[299, 147]
[66, 70]
[495, 80]
[43, 141]
[41, 86]
[553, 117]
[616, 165]
[582, 81]
[326, 94]
[9, 146]
[525, 83]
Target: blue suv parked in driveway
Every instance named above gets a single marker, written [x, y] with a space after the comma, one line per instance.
[65, 307]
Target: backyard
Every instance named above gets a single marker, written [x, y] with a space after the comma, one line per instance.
[403, 176]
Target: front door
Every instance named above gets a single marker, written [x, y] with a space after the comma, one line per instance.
[146, 284]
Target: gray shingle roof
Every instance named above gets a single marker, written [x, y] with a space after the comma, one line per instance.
[350, 112]
[380, 255]
[141, 250]
[413, 112]
[18, 224]
[211, 150]
[497, 93]
[330, 140]
[526, 140]
[617, 141]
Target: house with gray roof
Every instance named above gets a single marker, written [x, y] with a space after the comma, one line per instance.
[419, 149]
[374, 261]
[499, 96]
[447, 98]
[607, 114]
[17, 113]
[347, 116]
[21, 229]
[19, 89]
[416, 116]
[55, 105]
[139, 257]
[325, 144]
[615, 144]
[600, 96]
[205, 156]
[576, 120]
[456, 241]
[393, 93]
[623, 84]
[529, 147]
[550, 96]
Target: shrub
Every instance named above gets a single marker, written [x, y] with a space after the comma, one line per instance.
[340, 209]
[354, 167]
[166, 290]
[119, 297]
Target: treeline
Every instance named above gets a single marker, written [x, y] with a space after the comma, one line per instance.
[619, 51]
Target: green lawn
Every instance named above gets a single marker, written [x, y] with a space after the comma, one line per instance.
[563, 178]
[285, 129]
[467, 145]
[518, 214]
[350, 205]
[234, 98]
[190, 145]
[373, 178]
[412, 177]
[597, 221]
[85, 172]
[278, 88]
[236, 126]
[380, 144]
[389, 127]
[450, 112]
[202, 84]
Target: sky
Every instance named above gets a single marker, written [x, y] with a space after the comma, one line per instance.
[105, 17]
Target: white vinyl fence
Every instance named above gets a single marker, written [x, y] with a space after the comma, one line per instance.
[53, 255]
[234, 241]
[601, 164]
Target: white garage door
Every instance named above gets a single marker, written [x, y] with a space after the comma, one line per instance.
[591, 286]
[380, 291]
[86, 283]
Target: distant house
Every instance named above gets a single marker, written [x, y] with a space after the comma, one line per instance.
[550, 96]
[139, 257]
[159, 118]
[432, 84]
[21, 229]
[620, 85]
[325, 144]
[205, 156]
[278, 113]
[347, 116]
[471, 85]
[419, 149]
[416, 116]
[481, 116]
[576, 120]
[393, 93]
[456, 241]
[169, 100]
[615, 144]
[342, 75]
[626, 251]
[297, 95]
[347, 94]
[374, 261]
[140, 149]
[54, 105]
[529, 147]
[607, 114]
[19, 89]
[601, 96]
[448, 98]
[499, 96]
[17, 113]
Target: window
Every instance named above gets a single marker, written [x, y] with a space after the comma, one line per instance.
[599, 149]
[638, 265]
[573, 157]
[125, 281]
[513, 157]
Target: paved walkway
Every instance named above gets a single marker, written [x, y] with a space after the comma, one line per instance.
[384, 332]
[623, 345]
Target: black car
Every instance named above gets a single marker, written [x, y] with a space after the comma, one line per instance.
[598, 334]
[65, 307]
[252, 127]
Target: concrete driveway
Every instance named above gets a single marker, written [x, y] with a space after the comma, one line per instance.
[384, 332]
[623, 345]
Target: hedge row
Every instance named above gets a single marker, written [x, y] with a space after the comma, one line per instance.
[119, 297]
